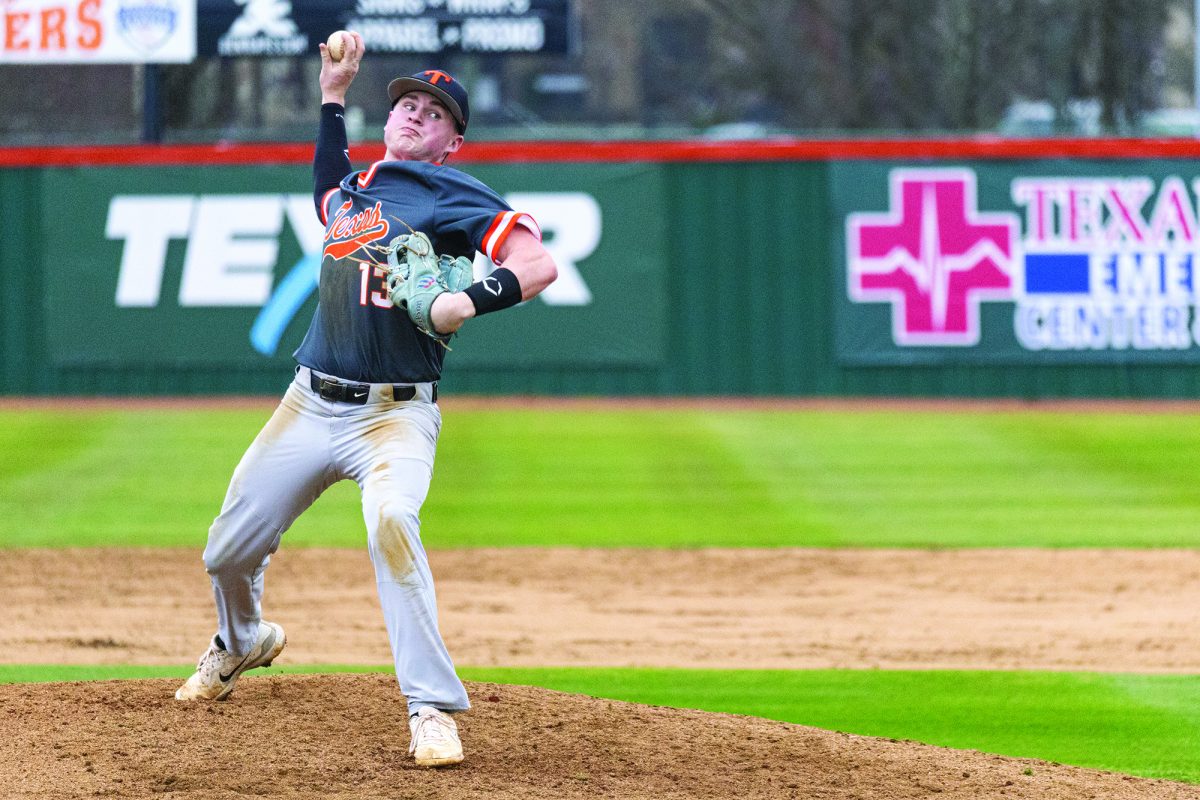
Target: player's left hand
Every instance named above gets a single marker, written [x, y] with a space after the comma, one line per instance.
[417, 276]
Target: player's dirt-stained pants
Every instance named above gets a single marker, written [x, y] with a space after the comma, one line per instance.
[308, 445]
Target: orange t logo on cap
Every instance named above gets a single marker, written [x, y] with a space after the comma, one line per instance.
[436, 75]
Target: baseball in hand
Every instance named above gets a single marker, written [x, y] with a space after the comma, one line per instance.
[335, 45]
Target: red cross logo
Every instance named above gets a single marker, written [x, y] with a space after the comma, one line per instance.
[933, 256]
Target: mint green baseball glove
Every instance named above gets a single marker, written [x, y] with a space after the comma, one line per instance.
[417, 275]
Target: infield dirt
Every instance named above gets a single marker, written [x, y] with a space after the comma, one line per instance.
[1106, 610]
[344, 736]
[341, 736]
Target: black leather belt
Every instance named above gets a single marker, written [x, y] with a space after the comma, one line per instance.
[357, 393]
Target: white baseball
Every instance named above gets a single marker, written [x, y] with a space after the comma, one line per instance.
[336, 45]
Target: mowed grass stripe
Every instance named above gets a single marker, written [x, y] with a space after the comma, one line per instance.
[1143, 725]
[659, 477]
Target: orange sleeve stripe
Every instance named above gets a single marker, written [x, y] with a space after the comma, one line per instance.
[499, 230]
[502, 226]
[505, 231]
[490, 232]
[530, 224]
[325, 205]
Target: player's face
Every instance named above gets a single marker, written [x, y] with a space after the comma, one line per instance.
[420, 128]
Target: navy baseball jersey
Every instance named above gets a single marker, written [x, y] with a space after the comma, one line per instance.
[356, 333]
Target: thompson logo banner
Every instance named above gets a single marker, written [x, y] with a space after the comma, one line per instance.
[1044, 262]
[294, 27]
[97, 31]
[204, 266]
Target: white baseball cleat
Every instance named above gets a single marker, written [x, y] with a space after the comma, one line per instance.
[434, 738]
[219, 669]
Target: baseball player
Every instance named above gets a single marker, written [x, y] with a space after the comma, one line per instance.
[363, 405]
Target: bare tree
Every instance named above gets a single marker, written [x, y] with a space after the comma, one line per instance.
[919, 65]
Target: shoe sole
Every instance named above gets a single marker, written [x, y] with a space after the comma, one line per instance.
[438, 762]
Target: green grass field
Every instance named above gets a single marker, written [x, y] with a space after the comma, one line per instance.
[644, 478]
[715, 477]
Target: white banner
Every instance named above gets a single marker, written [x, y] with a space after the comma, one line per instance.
[97, 31]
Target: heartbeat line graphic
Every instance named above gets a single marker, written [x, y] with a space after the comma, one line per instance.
[932, 256]
[934, 269]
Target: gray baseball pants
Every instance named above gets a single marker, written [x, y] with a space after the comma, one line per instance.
[309, 444]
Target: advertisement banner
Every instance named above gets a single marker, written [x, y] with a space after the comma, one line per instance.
[98, 31]
[212, 266]
[1051, 262]
[281, 28]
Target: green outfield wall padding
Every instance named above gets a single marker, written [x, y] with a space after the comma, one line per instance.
[1025, 278]
[25, 279]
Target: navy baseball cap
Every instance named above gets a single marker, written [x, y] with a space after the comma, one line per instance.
[439, 84]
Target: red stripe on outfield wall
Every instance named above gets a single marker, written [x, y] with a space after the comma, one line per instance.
[624, 151]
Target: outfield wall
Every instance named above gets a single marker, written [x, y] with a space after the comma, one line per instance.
[1054, 268]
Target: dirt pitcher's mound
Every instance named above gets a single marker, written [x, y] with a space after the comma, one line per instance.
[345, 736]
